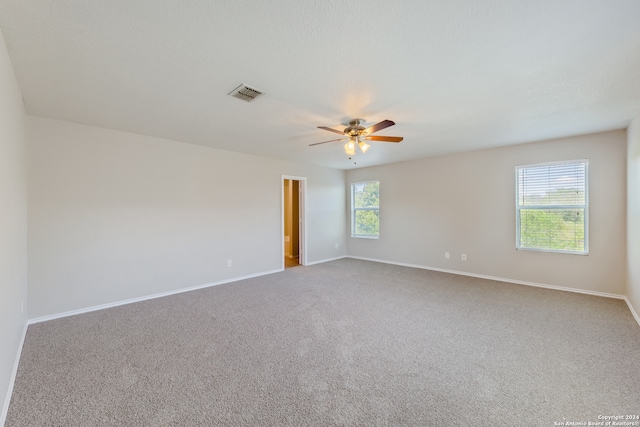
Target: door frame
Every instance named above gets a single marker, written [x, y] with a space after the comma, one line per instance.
[302, 220]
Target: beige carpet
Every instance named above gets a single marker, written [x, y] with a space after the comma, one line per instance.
[345, 343]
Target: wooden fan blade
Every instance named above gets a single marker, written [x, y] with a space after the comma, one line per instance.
[331, 130]
[384, 138]
[324, 142]
[379, 126]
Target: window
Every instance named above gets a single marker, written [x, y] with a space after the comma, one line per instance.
[365, 209]
[552, 207]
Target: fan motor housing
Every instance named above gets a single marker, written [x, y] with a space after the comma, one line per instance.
[354, 128]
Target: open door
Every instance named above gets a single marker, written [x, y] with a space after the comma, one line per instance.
[293, 191]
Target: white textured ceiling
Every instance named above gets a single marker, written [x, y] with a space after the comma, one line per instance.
[454, 75]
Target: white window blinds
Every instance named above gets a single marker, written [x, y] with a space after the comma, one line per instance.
[552, 207]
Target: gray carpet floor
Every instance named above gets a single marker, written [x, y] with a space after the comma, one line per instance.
[345, 343]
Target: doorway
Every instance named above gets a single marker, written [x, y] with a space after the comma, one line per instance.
[293, 221]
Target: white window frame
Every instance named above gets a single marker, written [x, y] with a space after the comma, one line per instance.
[585, 206]
[354, 209]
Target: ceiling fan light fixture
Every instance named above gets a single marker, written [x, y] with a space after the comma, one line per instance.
[350, 148]
[363, 146]
[358, 135]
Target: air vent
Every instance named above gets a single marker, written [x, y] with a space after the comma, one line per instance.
[245, 93]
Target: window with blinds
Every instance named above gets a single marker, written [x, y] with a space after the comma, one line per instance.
[365, 209]
[552, 207]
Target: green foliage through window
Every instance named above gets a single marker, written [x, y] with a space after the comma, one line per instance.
[554, 229]
[365, 202]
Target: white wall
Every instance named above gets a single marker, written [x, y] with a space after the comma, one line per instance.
[13, 223]
[115, 216]
[633, 214]
[465, 203]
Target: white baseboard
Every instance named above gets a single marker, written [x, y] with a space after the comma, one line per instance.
[499, 279]
[145, 298]
[160, 295]
[16, 363]
[518, 282]
[235, 279]
[326, 260]
[633, 312]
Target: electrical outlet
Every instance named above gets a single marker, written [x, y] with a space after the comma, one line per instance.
[228, 263]
[447, 255]
[336, 246]
[463, 257]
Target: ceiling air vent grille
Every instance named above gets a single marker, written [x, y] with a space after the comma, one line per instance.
[245, 93]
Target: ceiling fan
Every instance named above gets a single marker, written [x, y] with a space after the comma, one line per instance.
[356, 134]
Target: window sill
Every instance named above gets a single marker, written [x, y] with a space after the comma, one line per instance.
[551, 251]
[361, 236]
